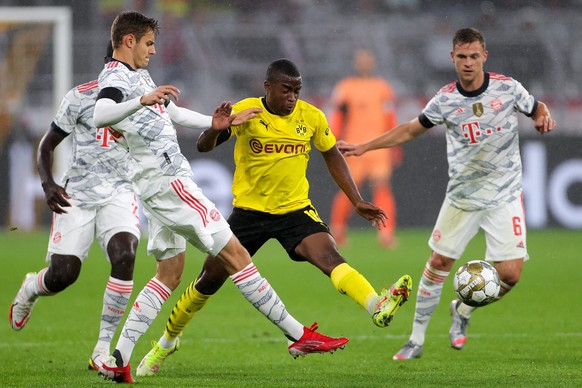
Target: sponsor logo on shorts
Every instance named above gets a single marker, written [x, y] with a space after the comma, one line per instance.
[436, 235]
[57, 237]
[215, 215]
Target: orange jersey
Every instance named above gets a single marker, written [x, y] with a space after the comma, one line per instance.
[366, 106]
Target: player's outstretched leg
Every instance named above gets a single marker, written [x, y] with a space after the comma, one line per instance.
[190, 302]
[390, 300]
[313, 342]
[458, 330]
[23, 303]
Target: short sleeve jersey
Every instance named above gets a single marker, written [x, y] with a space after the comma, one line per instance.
[271, 156]
[96, 169]
[482, 140]
[150, 134]
[367, 101]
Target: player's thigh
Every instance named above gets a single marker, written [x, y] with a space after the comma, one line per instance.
[116, 216]
[182, 207]
[453, 230]
[253, 228]
[163, 243]
[505, 232]
[294, 232]
[72, 233]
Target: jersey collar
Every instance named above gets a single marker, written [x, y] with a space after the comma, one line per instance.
[111, 59]
[476, 92]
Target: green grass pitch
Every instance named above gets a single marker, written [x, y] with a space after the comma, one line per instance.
[532, 338]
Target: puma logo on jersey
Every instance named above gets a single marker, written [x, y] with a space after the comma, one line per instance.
[265, 124]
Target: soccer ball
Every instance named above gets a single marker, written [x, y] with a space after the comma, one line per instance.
[476, 283]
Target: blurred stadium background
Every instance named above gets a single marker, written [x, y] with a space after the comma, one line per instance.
[216, 50]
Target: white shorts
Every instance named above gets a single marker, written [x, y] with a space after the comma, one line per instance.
[504, 229]
[181, 208]
[73, 233]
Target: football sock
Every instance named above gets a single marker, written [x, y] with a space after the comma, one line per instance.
[38, 288]
[350, 282]
[465, 310]
[428, 296]
[257, 290]
[115, 300]
[145, 309]
[504, 289]
[189, 304]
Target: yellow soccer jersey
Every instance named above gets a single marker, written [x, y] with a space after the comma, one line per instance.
[271, 156]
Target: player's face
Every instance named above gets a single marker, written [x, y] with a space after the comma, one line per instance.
[143, 50]
[469, 59]
[282, 94]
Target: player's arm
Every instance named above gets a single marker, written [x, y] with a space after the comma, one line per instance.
[188, 118]
[543, 119]
[56, 196]
[396, 136]
[338, 168]
[220, 131]
[111, 109]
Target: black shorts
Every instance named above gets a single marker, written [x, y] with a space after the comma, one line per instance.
[254, 228]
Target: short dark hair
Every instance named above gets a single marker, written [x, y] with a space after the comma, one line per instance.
[109, 51]
[281, 67]
[468, 35]
[131, 22]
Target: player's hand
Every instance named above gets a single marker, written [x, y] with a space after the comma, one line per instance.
[221, 118]
[372, 213]
[160, 95]
[545, 124]
[56, 197]
[247, 114]
[348, 149]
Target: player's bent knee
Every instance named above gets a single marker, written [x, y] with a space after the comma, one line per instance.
[63, 271]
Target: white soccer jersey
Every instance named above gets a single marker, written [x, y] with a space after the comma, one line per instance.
[482, 140]
[149, 132]
[94, 174]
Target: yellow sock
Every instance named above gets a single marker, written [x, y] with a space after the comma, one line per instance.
[350, 282]
[190, 302]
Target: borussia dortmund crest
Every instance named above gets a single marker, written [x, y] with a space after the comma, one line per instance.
[301, 129]
[478, 109]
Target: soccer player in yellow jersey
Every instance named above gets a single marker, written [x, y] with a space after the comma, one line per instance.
[271, 201]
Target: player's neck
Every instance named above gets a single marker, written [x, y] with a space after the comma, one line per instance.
[125, 57]
[473, 84]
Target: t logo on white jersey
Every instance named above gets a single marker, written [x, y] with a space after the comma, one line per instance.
[103, 135]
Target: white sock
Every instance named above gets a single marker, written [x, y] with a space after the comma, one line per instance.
[257, 290]
[465, 310]
[145, 309]
[115, 300]
[167, 343]
[428, 296]
[37, 288]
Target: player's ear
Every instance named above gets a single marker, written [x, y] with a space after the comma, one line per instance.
[485, 55]
[129, 40]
